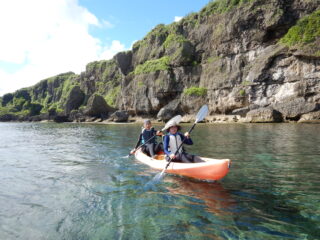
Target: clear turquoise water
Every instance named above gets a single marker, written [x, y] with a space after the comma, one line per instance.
[70, 181]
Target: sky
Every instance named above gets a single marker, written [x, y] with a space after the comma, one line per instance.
[43, 38]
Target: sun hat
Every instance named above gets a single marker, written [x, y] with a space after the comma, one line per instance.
[173, 122]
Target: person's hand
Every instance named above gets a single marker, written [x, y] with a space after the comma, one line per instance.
[132, 151]
[159, 133]
[187, 134]
[172, 156]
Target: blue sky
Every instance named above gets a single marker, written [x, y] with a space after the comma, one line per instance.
[42, 38]
[132, 20]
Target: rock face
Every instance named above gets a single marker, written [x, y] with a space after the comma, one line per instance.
[75, 99]
[169, 111]
[313, 117]
[264, 115]
[8, 117]
[119, 116]
[231, 55]
[97, 107]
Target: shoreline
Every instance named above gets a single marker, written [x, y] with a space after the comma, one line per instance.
[155, 121]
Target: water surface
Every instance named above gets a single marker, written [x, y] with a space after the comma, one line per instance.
[70, 181]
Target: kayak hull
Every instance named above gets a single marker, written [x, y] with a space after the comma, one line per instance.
[210, 169]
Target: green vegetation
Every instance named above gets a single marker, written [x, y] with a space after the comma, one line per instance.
[157, 31]
[242, 92]
[246, 83]
[195, 91]
[112, 95]
[221, 6]
[90, 67]
[195, 63]
[4, 110]
[153, 65]
[213, 59]
[305, 31]
[47, 96]
[174, 38]
[139, 44]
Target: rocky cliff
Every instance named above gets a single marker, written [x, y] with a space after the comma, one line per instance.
[258, 59]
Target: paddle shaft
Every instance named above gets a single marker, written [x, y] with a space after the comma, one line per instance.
[180, 146]
[144, 143]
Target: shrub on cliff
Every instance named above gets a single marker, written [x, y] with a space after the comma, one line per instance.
[195, 91]
[305, 31]
[153, 65]
[221, 6]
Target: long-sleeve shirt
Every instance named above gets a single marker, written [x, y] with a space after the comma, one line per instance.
[145, 135]
[166, 141]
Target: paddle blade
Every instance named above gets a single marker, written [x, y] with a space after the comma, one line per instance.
[176, 120]
[202, 113]
[159, 176]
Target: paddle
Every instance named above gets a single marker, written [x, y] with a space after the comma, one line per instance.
[200, 116]
[174, 119]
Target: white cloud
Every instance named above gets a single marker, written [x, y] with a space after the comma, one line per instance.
[110, 51]
[107, 24]
[47, 37]
[177, 19]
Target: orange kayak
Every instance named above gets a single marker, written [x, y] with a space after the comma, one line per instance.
[210, 169]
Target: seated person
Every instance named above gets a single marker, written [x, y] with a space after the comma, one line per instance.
[171, 143]
[152, 147]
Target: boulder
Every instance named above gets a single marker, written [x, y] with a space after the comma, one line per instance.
[74, 99]
[295, 108]
[76, 116]
[61, 118]
[313, 117]
[169, 111]
[243, 111]
[120, 116]
[97, 107]
[188, 118]
[264, 115]
[8, 117]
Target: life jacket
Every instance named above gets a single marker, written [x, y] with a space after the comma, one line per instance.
[174, 142]
[147, 134]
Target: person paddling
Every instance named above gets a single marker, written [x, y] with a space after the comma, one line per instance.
[152, 147]
[173, 140]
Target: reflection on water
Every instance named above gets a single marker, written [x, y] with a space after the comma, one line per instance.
[211, 194]
[71, 181]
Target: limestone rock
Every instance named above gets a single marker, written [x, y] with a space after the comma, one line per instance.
[313, 117]
[264, 115]
[74, 99]
[8, 117]
[97, 107]
[295, 108]
[169, 111]
[119, 116]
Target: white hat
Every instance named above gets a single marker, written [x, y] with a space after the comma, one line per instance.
[173, 122]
